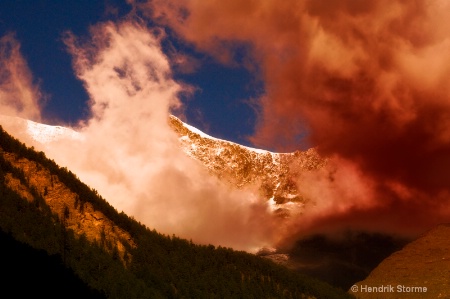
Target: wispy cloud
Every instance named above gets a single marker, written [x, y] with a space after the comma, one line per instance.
[131, 155]
[19, 95]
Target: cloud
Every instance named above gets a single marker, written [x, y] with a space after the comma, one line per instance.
[19, 96]
[366, 81]
[131, 156]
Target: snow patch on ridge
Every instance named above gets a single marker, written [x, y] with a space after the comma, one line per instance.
[204, 135]
[39, 132]
[46, 133]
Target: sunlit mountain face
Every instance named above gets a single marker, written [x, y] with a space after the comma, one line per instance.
[273, 174]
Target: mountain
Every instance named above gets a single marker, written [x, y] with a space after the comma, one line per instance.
[241, 166]
[419, 270]
[273, 176]
[271, 173]
[60, 219]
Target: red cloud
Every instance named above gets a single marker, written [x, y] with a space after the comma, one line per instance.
[367, 81]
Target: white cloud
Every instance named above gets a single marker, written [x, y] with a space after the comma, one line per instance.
[131, 155]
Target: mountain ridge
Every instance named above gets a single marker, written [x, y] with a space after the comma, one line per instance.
[273, 173]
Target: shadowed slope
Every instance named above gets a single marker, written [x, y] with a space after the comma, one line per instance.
[420, 270]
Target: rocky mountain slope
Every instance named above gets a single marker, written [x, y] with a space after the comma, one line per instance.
[272, 173]
[420, 270]
[78, 215]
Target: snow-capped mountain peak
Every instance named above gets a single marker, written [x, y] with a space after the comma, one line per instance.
[272, 174]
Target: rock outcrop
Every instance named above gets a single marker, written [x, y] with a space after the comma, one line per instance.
[77, 214]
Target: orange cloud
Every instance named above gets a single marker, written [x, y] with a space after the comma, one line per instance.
[366, 81]
[19, 96]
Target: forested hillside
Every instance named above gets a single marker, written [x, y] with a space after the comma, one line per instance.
[110, 254]
[38, 274]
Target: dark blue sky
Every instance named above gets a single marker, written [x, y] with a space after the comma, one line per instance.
[220, 106]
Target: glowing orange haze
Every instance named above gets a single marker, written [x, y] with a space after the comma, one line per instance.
[367, 80]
